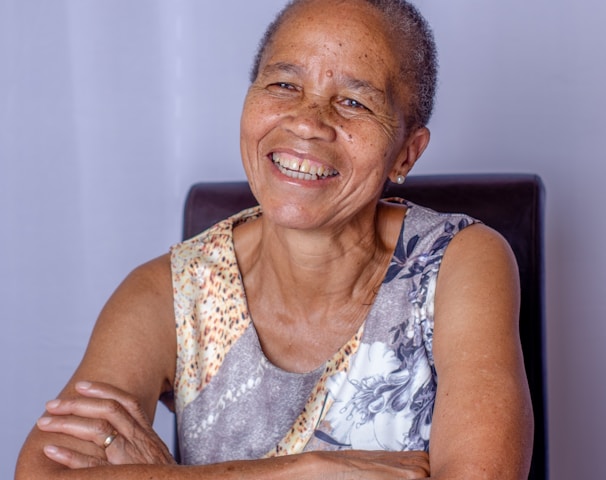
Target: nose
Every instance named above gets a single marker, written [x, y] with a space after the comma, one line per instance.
[311, 120]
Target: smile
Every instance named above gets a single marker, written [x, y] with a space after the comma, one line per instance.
[298, 169]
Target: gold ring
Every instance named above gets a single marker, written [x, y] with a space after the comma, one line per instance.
[110, 438]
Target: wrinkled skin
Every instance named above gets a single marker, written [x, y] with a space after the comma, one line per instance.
[103, 408]
[92, 417]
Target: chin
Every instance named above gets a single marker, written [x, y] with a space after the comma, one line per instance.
[292, 216]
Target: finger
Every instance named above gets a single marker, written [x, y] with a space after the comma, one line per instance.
[109, 440]
[71, 458]
[95, 430]
[99, 416]
[112, 448]
[109, 392]
[88, 419]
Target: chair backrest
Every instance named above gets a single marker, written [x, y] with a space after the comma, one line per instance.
[512, 204]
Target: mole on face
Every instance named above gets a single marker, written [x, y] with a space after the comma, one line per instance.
[349, 135]
[329, 73]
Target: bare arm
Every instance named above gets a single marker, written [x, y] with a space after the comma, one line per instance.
[307, 466]
[129, 362]
[483, 423]
[132, 347]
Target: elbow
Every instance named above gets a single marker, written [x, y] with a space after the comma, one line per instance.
[34, 465]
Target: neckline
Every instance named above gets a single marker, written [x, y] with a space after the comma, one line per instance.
[349, 347]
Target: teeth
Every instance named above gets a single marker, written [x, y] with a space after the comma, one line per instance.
[304, 170]
[296, 175]
[305, 166]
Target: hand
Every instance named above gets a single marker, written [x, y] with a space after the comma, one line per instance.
[371, 465]
[110, 418]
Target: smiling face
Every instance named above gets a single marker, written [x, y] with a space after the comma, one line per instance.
[323, 123]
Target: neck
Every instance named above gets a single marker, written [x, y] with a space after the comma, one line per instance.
[316, 266]
[309, 292]
[321, 267]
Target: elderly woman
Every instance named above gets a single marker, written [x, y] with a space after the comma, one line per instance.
[326, 333]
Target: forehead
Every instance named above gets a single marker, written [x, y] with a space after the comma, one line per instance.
[351, 33]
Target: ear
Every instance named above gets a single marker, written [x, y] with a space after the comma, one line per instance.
[415, 145]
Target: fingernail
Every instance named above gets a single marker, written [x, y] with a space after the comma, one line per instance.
[83, 385]
[53, 403]
[42, 421]
[51, 450]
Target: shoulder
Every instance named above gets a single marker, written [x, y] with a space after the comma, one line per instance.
[150, 281]
[477, 295]
[420, 233]
[153, 271]
[211, 245]
[141, 308]
[420, 220]
[478, 250]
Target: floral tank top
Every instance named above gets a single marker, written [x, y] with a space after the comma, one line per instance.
[376, 393]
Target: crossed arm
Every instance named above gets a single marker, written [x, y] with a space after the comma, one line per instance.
[482, 424]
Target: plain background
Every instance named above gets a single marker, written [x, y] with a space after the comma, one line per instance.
[110, 109]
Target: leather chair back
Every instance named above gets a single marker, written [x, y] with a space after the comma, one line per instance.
[512, 204]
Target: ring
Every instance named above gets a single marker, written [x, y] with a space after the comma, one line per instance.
[110, 438]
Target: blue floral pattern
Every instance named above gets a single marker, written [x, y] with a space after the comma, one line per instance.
[385, 401]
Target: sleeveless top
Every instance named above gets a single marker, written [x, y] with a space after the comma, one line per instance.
[376, 393]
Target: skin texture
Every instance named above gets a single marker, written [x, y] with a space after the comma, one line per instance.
[326, 93]
[321, 107]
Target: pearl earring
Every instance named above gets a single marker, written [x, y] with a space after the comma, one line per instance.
[400, 179]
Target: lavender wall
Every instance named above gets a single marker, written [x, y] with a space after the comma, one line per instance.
[110, 109]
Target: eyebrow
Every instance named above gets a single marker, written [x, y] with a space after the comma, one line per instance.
[364, 87]
[358, 85]
[283, 67]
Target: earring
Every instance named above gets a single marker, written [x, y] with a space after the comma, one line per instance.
[400, 179]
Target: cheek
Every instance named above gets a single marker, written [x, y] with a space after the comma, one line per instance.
[369, 134]
[258, 118]
[252, 124]
[346, 133]
[250, 111]
[371, 149]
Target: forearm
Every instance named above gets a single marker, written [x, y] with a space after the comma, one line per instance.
[79, 452]
[361, 465]
[306, 466]
[292, 466]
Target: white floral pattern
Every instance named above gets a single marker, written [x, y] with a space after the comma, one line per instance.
[385, 401]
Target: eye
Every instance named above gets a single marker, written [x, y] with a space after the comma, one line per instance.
[283, 86]
[350, 102]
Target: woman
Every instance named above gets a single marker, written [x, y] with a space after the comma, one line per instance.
[314, 337]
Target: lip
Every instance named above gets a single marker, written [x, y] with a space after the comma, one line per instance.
[298, 166]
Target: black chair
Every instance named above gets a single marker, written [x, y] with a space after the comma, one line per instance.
[510, 203]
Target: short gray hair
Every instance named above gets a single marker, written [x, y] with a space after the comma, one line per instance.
[419, 69]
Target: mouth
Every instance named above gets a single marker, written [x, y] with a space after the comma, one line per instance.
[299, 169]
